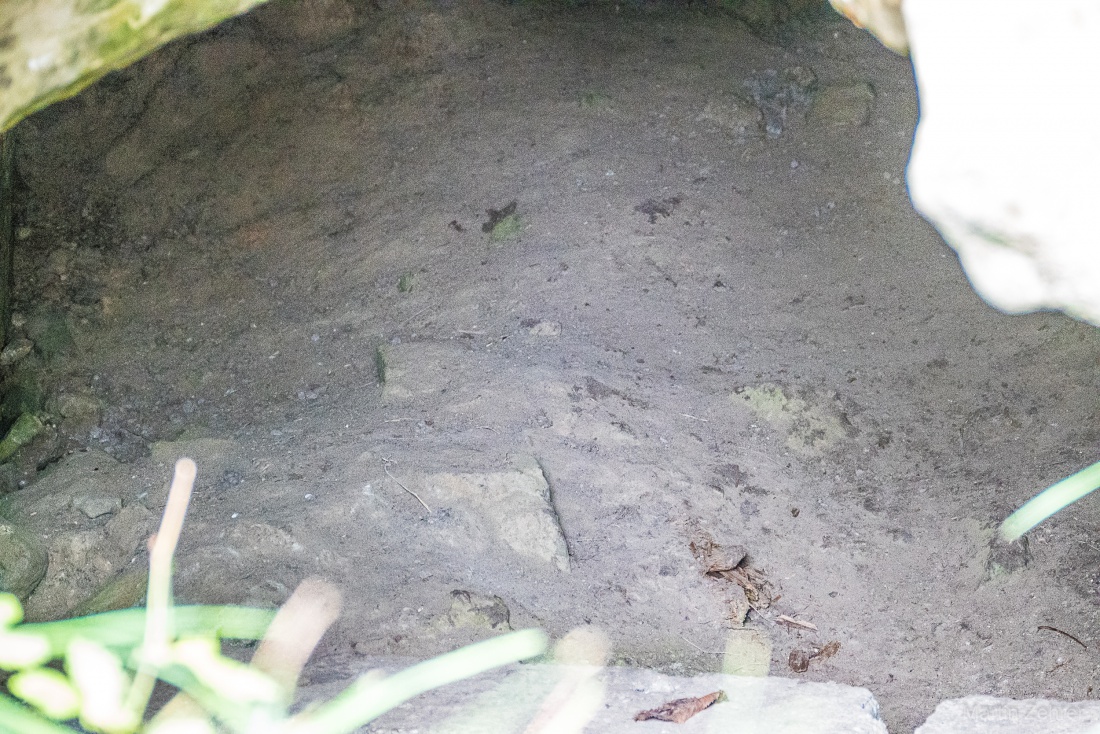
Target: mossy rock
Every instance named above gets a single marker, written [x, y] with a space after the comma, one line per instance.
[23, 561]
[25, 429]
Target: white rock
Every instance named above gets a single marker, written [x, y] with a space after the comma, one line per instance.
[989, 715]
[1005, 157]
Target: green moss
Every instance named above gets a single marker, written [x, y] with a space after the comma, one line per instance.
[20, 434]
[507, 228]
[380, 365]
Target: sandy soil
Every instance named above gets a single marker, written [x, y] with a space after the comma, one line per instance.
[272, 248]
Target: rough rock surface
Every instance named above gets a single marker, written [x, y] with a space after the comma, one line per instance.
[506, 700]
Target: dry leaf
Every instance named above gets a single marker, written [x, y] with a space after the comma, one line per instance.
[830, 649]
[730, 563]
[714, 557]
[799, 661]
[755, 584]
[682, 709]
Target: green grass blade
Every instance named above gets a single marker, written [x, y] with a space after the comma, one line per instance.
[1050, 501]
[126, 628]
[369, 698]
[15, 718]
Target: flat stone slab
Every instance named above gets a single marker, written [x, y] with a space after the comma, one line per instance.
[511, 507]
[511, 698]
[989, 715]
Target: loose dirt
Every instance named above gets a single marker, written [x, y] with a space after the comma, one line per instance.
[288, 249]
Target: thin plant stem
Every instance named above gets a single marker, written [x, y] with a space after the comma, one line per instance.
[1050, 501]
[155, 648]
[369, 698]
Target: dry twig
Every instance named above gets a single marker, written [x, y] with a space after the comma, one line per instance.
[414, 494]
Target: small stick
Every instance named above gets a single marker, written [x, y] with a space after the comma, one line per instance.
[414, 494]
[1067, 634]
[705, 652]
[792, 622]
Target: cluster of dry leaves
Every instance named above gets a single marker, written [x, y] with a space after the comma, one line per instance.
[731, 563]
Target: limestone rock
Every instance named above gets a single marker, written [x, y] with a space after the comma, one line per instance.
[989, 715]
[512, 508]
[519, 692]
[96, 504]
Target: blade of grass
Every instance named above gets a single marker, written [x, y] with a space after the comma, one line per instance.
[15, 718]
[197, 700]
[125, 628]
[1050, 501]
[368, 698]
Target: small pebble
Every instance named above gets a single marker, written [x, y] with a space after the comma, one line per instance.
[15, 351]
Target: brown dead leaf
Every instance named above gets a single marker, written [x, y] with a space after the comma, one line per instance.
[826, 652]
[713, 556]
[799, 661]
[731, 563]
[682, 709]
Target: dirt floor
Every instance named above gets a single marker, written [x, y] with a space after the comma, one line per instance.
[289, 249]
